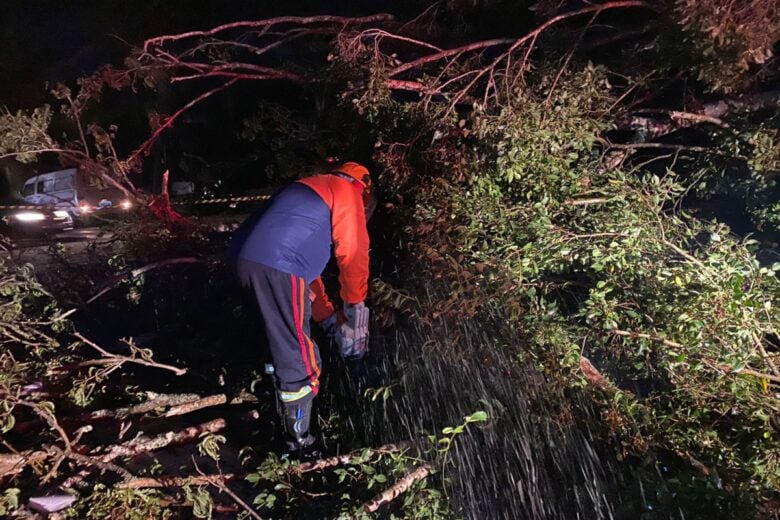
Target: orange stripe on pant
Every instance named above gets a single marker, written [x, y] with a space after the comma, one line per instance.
[298, 307]
[312, 356]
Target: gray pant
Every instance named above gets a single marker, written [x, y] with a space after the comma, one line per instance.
[284, 302]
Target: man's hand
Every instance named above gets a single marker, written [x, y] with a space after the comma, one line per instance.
[352, 335]
[330, 325]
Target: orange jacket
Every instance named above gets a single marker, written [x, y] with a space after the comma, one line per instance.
[321, 307]
[348, 232]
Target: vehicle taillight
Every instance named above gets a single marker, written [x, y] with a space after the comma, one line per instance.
[85, 208]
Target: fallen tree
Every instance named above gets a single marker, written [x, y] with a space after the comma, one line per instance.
[547, 181]
[100, 461]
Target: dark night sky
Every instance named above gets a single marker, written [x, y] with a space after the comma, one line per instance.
[51, 40]
[60, 40]
[46, 41]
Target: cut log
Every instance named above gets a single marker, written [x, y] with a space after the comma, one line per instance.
[169, 481]
[396, 489]
[145, 444]
[338, 460]
[206, 402]
[161, 401]
[179, 404]
[13, 463]
[153, 403]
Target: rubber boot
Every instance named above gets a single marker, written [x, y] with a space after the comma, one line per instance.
[297, 416]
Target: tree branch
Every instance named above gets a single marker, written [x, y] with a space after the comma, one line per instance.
[338, 460]
[725, 368]
[169, 481]
[206, 402]
[42, 150]
[449, 52]
[138, 271]
[120, 359]
[147, 444]
[678, 147]
[92, 461]
[710, 113]
[641, 335]
[220, 484]
[515, 43]
[744, 103]
[749, 371]
[146, 145]
[265, 24]
[592, 374]
[396, 489]
[154, 402]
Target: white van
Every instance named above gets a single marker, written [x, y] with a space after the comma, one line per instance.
[65, 189]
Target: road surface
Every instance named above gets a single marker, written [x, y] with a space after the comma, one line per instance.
[74, 246]
[77, 245]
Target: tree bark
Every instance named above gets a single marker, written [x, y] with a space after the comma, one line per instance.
[711, 113]
[166, 482]
[396, 489]
[147, 444]
[338, 460]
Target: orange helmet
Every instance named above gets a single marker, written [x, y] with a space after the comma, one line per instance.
[362, 181]
[357, 172]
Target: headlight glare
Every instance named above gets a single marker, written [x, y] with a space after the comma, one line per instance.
[60, 213]
[30, 216]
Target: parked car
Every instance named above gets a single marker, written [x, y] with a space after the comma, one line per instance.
[67, 190]
[18, 219]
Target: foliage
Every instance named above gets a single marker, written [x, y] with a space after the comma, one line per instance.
[146, 239]
[285, 137]
[132, 504]
[23, 134]
[750, 181]
[388, 302]
[46, 376]
[729, 37]
[343, 489]
[764, 167]
[444, 443]
[523, 215]
[28, 329]
[210, 445]
[766, 151]
[202, 503]
[9, 501]
[655, 314]
[495, 163]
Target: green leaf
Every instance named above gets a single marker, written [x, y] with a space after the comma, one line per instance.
[479, 416]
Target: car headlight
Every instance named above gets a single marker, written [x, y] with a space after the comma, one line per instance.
[60, 213]
[30, 216]
[126, 204]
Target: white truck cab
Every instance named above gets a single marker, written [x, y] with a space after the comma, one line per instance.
[66, 189]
